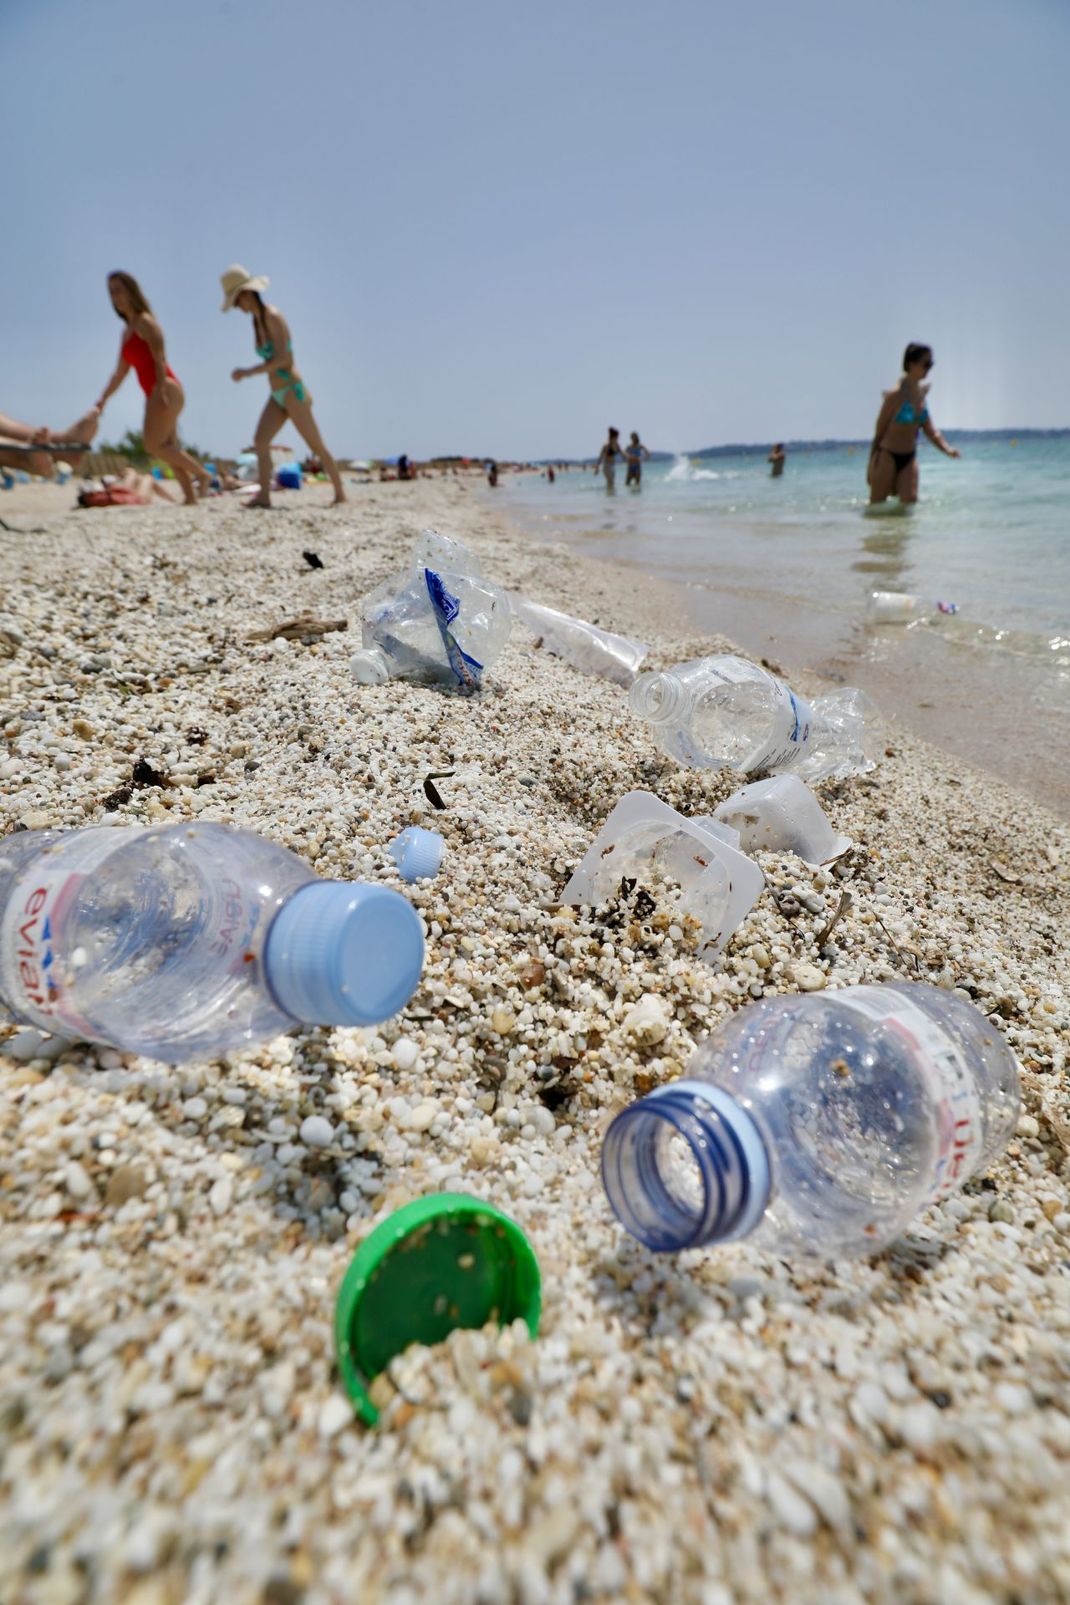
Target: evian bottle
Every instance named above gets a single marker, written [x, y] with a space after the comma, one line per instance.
[816, 1124]
[724, 711]
[184, 941]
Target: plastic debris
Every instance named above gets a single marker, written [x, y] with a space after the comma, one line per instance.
[821, 1124]
[436, 1264]
[644, 837]
[781, 814]
[439, 622]
[900, 607]
[723, 711]
[588, 648]
[188, 940]
[417, 853]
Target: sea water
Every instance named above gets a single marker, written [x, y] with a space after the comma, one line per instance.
[785, 567]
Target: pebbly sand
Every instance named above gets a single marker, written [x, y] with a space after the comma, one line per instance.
[714, 1428]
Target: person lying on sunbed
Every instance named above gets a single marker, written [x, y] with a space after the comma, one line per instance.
[36, 449]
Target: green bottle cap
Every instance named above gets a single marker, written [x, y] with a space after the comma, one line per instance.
[438, 1263]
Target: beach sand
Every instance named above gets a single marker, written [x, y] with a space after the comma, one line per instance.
[710, 1428]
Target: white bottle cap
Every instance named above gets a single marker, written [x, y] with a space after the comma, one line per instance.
[417, 853]
[369, 667]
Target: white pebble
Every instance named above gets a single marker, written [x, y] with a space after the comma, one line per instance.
[76, 1179]
[422, 1116]
[335, 1414]
[404, 1053]
[790, 1508]
[918, 1425]
[1012, 1399]
[648, 1020]
[808, 978]
[316, 1132]
[220, 1196]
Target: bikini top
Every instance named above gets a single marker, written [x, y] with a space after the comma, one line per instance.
[266, 352]
[907, 415]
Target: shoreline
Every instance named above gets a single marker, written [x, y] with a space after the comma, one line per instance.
[974, 702]
[165, 1363]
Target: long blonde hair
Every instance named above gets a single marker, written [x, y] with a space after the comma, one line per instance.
[134, 291]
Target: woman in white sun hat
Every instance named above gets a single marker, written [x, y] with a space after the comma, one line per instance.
[289, 399]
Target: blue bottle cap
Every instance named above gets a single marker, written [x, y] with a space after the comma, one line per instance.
[342, 953]
[417, 853]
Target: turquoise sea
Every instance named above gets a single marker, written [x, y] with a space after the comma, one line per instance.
[786, 566]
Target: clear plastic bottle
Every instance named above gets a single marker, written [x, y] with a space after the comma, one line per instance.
[725, 712]
[588, 648]
[185, 941]
[816, 1125]
[440, 622]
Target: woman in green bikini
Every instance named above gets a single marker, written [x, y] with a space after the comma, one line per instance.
[289, 399]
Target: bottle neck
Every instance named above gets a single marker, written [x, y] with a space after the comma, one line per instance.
[369, 666]
[686, 1167]
[657, 697]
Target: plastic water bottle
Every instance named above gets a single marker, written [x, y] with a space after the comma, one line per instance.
[589, 649]
[725, 712]
[816, 1125]
[185, 941]
[440, 622]
[900, 607]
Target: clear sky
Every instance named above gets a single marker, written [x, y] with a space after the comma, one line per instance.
[496, 227]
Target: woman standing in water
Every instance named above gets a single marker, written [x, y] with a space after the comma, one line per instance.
[142, 349]
[893, 457]
[607, 459]
[635, 454]
[289, 399]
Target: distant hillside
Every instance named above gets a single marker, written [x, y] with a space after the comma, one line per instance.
[751, 450]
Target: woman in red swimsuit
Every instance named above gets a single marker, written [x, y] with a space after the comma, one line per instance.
[143, 350]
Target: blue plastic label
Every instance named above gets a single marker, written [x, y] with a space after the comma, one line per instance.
[466, 670]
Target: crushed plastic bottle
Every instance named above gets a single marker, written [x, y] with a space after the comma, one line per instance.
[725, 712]
[816, 1125]
[588, 648]
[185, 941]
[439, 622]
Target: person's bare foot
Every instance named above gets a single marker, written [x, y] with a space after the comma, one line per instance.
[339, 499]
[83, 432]
[86, 427]
[256, 501]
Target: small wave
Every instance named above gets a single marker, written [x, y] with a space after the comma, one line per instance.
[960, 632]
[704, 473]
[681, 468]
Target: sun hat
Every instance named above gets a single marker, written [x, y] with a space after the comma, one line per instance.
[235, 280]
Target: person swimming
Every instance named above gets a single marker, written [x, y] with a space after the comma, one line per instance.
[893, 456]
[777, 458]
